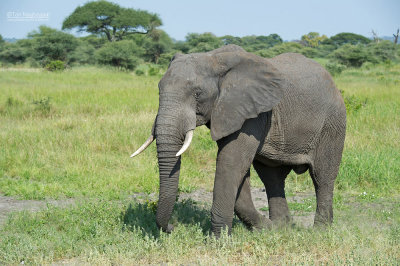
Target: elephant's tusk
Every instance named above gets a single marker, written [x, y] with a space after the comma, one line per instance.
[144, 146]
[186, 143]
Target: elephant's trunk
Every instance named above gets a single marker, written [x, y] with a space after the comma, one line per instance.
[169, 142]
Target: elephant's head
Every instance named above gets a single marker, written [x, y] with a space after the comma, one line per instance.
[222, 89]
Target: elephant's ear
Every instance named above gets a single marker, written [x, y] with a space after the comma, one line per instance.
[248, 85]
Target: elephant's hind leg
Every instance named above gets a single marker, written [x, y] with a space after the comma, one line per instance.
[244, 207]
[323, 173]
[274, 181]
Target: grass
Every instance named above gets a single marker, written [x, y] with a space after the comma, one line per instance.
[107, 232]
[70, 134]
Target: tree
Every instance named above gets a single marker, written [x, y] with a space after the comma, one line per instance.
[396, 36]
[347, 37]
[203, 42]
[287, 47]
[13, 53]
[123, 54]
[375, 36]
[156, 43]
[111, 20]
[229, 39]
[351, 55]
[256, 43]
[313, 39]
[381, 51]
[51, 44]
[83, 54]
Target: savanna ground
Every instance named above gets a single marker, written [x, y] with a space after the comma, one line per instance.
[65, 141]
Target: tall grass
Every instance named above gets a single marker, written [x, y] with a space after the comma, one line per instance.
[70, 134]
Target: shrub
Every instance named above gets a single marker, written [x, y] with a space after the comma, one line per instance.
[83, 54]
[56, 65]
[165, 59]
[50, 44]
[335, 68]
[122, 54]
[367, 65]
[43, 105]
[13, 53]
[351, 55]
[281, 48]
[139, 72]
[381, 52]
[353, 103]
[154, 71]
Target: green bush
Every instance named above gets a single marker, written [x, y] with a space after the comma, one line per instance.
[154, 71]
[13, 53]
[139, 72]
[351, 55]
[56, 65]
[50, 44]
[122, 54]
[381, 52]
[353, 103]
[43, 105]
[288, 47]
[335, 68]
[367, 65]
[83, 54]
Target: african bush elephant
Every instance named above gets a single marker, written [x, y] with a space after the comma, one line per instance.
[279, 114]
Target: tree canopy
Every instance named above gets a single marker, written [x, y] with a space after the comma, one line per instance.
[351, 38]
[313, 39]
[111, 20]
[51, 44]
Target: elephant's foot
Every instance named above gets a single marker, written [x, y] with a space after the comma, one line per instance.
[169, 229]
[263, 224]
[217, 229]
[279, 212]
[323, 221]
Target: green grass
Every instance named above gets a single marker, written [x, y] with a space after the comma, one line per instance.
[98, 232]
[77, 142]
[70, 134]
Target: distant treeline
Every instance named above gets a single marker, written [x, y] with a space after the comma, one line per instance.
[126, 47]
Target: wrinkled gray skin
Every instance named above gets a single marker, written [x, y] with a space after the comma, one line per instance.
[279, 114]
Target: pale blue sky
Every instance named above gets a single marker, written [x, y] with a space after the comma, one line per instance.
[289, 18]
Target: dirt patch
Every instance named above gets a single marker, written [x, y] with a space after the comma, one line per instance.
[9, 204]
[305, 219]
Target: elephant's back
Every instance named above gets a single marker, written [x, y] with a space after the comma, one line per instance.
[310, 99]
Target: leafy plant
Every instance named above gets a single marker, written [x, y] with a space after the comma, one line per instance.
[139, 72]
[56, 65]
[335, 68]
[353, 103]
[351, 55]
[154, 71]
[121, 54]
[43, 105]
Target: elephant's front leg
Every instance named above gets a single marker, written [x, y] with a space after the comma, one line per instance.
[235, 155]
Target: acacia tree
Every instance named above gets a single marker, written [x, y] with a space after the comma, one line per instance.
[313, 39]
[115, 22]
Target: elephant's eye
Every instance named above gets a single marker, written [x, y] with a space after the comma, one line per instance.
[197, 95]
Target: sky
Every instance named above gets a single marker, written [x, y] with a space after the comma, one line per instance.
[289, 18]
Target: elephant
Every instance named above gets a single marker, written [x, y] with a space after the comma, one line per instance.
[279, 114]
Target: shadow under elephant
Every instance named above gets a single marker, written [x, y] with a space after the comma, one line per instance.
[142, 216]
